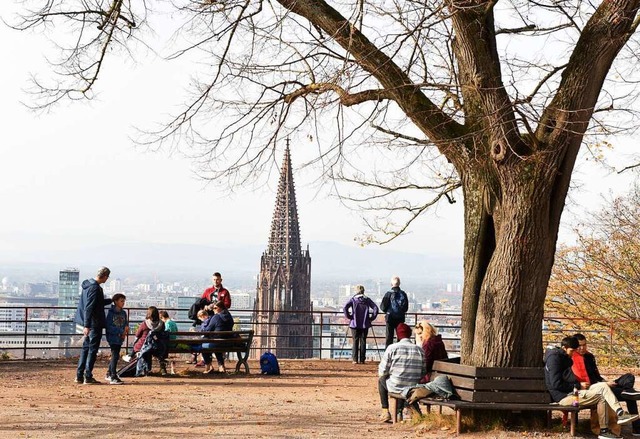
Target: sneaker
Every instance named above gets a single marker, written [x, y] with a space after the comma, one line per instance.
[635, 433]
[79, 380]
[107, 377]
[385, 417]
[626, 418]
[115, 380]
[607, 434]
[127, 358]
[222, 369]
[90, 380]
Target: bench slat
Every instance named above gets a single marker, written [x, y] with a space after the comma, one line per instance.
[225, 341]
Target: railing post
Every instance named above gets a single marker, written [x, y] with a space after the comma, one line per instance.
[321, 332]
[26, 325]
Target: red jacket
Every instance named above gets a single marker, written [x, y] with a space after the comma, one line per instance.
[222, 294]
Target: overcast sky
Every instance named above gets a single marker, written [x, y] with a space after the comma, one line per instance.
[73, 177]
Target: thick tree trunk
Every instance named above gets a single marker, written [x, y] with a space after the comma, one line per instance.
[509, 246]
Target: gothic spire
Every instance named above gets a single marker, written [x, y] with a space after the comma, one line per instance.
[285, 230]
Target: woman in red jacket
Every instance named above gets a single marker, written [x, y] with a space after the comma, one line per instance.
[432, 345]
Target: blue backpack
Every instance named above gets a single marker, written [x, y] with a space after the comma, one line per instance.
[269, 364]
[398, 305]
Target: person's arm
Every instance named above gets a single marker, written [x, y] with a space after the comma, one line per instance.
[384, 305]
[405, 308]
[374, 309]
[226, 298]
[555, 373]
[427, 347]
[385, 363]
[89, 307]
[348, 310]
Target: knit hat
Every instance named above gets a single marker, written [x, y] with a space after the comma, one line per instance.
[403, 331]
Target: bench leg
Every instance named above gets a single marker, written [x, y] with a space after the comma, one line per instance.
[242, 360]
[393, 409]
[573, 420]
[458, 420]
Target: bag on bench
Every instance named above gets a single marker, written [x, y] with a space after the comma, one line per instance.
[269, 364]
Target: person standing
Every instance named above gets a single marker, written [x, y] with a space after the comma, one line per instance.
[117, 329]
[402, 366]
[395, 305]
[361, 310]
[217, 292]
[90, 315]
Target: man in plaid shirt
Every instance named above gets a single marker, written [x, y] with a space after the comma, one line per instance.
[402, 365]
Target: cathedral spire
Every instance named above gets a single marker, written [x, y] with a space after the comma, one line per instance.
[284, 240]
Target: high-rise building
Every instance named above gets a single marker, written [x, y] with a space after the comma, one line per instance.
[284, 282]
[69, 290]
[68, 295]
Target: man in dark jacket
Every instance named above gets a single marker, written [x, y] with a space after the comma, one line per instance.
[586, 368]
[560, 382]
[90, 315]
[395, 305]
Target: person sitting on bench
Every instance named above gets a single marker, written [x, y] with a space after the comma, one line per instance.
[585, 368]
[560, 381]
[402, 365]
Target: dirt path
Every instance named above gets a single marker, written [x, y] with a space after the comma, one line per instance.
[333, 399]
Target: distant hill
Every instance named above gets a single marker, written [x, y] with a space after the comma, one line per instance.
[329, 260]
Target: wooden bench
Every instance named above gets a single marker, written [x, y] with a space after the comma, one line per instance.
[514, 389]
[225, 341]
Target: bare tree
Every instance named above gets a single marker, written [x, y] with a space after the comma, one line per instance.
[494, 97]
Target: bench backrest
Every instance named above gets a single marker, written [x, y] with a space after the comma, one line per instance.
[517, 385]
[220, 338]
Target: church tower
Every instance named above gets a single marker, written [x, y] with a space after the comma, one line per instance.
[283, 300]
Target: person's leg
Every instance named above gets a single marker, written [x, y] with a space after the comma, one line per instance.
[587, 398]
[82, 361]
[384, 393]
[113, 364]
[219, 358]
[354, 348]
[95, 335]
[363, 344]
[604, 390]
[632, 406]
[391, 327]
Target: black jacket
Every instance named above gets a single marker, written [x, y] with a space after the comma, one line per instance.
[558, 376]
[90, 311]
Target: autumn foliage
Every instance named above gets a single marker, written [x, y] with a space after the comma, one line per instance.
[595, 284]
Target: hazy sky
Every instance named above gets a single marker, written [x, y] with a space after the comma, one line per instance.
[73, 176]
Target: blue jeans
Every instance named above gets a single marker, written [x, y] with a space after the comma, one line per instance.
[89, 353]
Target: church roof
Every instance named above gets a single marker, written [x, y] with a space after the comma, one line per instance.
[284, 240]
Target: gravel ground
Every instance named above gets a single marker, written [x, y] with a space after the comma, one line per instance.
[312, 398]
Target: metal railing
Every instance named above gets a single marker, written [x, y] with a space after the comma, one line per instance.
[48, 331]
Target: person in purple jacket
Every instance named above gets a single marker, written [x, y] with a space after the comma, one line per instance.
[361, 310]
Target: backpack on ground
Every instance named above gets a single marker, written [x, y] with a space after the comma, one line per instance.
[398, 305]
[269, 364]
